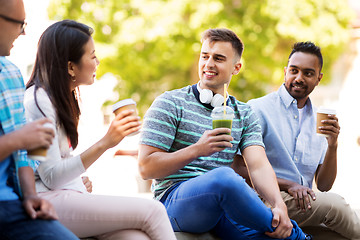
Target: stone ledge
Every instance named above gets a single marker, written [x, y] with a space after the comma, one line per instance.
[193, 236]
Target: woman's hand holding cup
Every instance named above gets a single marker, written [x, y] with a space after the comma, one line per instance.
[126, 122]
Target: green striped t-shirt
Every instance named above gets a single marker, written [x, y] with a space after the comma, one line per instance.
[176, 120]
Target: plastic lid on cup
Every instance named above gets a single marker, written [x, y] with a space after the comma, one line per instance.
[220, 112]
[325, 110]
[123, 103]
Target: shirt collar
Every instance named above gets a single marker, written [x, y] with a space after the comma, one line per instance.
[207, 105]
[287, 99]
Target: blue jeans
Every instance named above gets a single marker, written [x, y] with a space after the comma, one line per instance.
[15, 224]
[222, 202]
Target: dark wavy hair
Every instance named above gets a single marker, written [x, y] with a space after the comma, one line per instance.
[62, 42]
[308, 47]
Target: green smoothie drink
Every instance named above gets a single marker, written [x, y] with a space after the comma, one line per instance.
[222, 117]
[222, 123]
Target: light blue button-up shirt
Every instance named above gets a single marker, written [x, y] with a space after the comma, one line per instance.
[293, 148]
[12, 117]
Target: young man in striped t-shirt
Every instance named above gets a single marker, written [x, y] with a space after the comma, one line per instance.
[191, 162]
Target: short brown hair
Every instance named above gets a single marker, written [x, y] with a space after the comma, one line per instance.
[224, 35]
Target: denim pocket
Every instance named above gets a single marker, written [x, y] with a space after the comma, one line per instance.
[174, 224]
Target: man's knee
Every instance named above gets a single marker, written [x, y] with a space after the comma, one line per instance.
[327, 201]
[224, 179]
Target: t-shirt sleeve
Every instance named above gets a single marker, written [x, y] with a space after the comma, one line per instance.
[160, 123]
[251, 130]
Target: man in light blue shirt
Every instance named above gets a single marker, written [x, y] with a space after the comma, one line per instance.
[26, 216]
[297, 154]
[295, 150]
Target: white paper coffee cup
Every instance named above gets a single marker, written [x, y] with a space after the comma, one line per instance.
[322, 114]
[126, 104]
[40, 153]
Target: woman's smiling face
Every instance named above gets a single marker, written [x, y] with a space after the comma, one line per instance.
[85, 70]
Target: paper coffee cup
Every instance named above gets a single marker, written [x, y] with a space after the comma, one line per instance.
[40, 153]
[126, 104]
[323, 114]
[222, 117]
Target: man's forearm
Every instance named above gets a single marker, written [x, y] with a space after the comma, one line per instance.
[158, 163]
[284, 184]
[8, 145]
[266, 185]
[262, 175]
[326, 173]
[155, 163]
[27, 181]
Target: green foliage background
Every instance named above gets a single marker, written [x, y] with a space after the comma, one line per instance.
[152, 45]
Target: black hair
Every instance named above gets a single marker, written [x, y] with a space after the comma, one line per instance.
[308, 47]
[62, 42]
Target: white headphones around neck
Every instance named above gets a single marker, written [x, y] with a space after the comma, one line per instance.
[207, 97]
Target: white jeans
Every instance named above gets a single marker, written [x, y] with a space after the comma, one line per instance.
[111, 217]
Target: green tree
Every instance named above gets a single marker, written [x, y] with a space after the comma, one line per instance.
[152, 45]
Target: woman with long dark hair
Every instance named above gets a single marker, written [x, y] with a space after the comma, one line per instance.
[66, 59]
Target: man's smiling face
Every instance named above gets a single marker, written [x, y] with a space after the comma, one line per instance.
[217, 63]
[302, 75]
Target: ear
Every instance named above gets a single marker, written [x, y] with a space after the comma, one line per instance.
[237, 68]
[319, 78]
[285, 68]
[71, 69]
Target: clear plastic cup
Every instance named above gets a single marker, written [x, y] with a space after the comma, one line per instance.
[222, 117]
